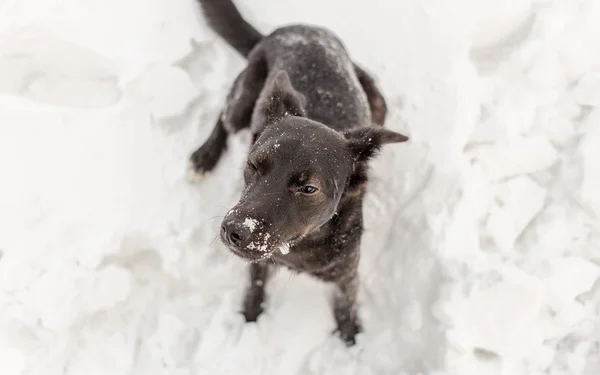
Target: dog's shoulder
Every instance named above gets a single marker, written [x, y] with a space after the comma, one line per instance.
[321, 69]
[293, 41]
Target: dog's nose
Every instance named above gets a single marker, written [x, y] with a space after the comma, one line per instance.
[235, 234]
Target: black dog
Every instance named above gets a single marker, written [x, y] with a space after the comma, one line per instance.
[316, 119]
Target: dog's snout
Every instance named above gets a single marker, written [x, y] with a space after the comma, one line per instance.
[235, 233]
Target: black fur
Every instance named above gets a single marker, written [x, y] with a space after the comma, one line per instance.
[316, 120]
[224, 18]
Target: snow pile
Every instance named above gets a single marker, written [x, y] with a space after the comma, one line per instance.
[482, 249]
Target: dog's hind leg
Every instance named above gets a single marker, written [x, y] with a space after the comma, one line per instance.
[376, 100]
[235, 117]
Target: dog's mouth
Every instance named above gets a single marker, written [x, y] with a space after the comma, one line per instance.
[252, 240]
[260, 250]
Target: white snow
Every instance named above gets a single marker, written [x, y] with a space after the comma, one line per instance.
[261, 244]
[482, 243]
[516, 157]
[284, 248]
[515, 205]
[250, 224]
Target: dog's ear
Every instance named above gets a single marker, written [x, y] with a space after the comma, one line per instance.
[280, 99]
[366, 141]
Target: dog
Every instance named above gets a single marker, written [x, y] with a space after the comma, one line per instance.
[316, 119]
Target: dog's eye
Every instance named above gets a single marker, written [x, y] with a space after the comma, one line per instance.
[308, 189]
[252, 166]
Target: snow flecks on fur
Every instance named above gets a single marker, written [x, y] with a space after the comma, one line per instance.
[284, 248]
[250, 224]
[261, 243]
[292, 39]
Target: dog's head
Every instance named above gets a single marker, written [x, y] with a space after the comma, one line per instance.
[295, 174]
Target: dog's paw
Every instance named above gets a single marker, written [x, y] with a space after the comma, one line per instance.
[252, 310]
[202, 161]
[192, 174]
[252, 315]
[253, 305]
[347, 331]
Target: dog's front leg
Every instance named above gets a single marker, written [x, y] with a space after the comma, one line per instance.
[255, 293]
[205, 158]
[345, 308]
[235, 116]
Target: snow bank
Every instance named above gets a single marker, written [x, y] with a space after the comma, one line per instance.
[481, 254]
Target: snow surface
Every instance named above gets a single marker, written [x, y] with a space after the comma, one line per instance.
[482, 249]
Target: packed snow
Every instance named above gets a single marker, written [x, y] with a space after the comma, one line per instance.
[482, 246]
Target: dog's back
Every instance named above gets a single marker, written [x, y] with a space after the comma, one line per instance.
[316, 61]
[319, 68]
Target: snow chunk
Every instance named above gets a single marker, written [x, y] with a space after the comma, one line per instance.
[284, 248]
[250, 224]
[587, 91]
[511, 313]
[589, 151]
[498, 20]
[515, 158]
[41, 67]
[111, 286]
[502, 315]
[413, 316]
[168, 90]
[517, 203]
[103, 354]
[570, 277]
[262, 244]
[13, 360]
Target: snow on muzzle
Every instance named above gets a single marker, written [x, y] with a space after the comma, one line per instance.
[249, 238]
